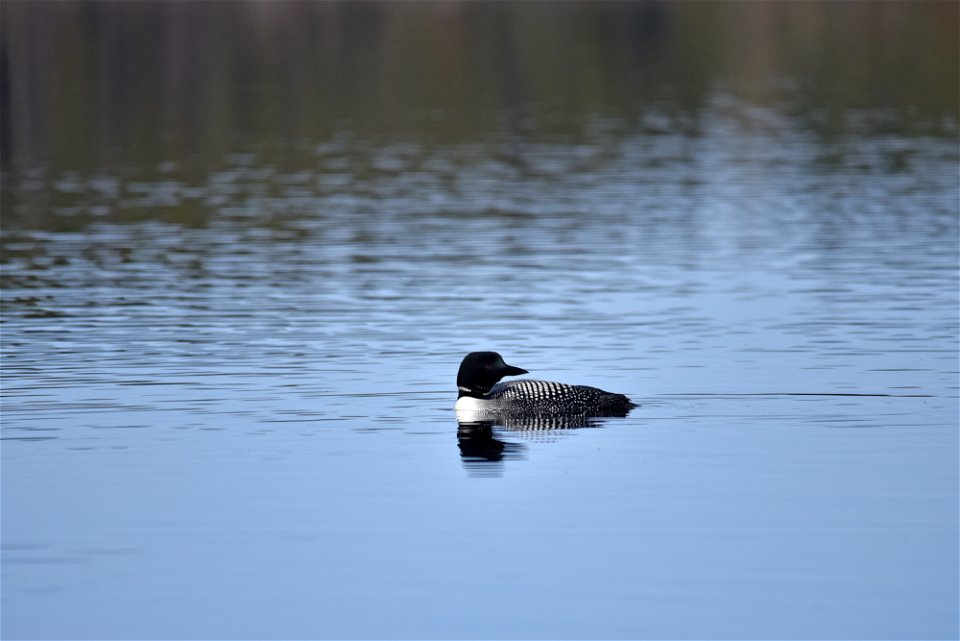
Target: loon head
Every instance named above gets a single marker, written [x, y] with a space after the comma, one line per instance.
[480, 371]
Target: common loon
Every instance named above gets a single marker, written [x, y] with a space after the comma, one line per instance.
[481, 392]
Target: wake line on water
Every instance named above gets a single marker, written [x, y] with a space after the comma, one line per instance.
[804, 394]
[687, 394]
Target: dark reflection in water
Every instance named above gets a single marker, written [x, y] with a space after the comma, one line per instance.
[150, 93]
[484, 444]
[482, 453]
[544, 422]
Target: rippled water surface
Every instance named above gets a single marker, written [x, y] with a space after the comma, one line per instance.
[228, 387]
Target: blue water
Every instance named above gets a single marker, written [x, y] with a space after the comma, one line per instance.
[244, 428]
[245, 246]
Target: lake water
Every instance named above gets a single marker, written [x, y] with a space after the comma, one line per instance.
[229, 363]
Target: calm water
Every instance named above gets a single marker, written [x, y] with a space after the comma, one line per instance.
[228, 376]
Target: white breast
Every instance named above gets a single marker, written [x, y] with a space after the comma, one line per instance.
[469, 403]
[469, 409]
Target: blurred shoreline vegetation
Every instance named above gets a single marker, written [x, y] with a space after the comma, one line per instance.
[107, 84]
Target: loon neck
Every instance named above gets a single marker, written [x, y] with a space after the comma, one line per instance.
[472, 392]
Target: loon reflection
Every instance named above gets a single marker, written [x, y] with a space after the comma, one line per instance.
[527, 424]
[477, 443]
[484, 448]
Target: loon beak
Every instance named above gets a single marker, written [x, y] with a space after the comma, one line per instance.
[510, 370]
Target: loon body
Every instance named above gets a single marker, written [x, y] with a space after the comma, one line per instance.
[480, 392]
